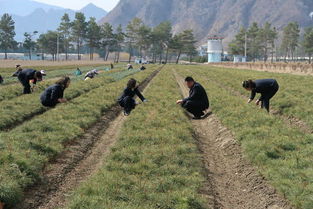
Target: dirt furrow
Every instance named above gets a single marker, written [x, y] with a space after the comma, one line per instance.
[233, 183]
[83, 157]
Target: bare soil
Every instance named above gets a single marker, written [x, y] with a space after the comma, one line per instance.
[83, 157]
[232, 182]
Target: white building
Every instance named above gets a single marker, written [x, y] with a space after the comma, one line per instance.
[215, 49]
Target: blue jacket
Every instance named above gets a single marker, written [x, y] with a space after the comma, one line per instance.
[51, 95]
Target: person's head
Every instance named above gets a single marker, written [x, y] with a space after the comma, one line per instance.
[64, 82]
[189, 82]
[38, 76]
[132, 83]
[249, 85]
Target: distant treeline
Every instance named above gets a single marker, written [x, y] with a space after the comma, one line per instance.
[79, 36]
[264, 43]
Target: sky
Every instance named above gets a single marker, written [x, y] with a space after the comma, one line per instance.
[78, 4]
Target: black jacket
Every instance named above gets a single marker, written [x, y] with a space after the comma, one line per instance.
[198, 94]
[264, 86]
[26, 75]
[51, 95]
[131, 93]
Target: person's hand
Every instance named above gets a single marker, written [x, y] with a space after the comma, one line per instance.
[145, 101]
[249, 101]
[257, 102]
[179, 102]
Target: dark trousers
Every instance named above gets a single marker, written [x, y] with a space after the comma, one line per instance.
[26, 86]
[128, 103]
[195, 108]
[267, 97]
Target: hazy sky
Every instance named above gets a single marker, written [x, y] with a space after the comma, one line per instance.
[78, 4]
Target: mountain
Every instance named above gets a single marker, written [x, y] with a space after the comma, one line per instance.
[23, 7]
[42, 17]
[208, 17]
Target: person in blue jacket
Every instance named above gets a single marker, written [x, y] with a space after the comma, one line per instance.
[126, 100]
[55, 94]
[266, 87]
[27, 75]
[198, 100]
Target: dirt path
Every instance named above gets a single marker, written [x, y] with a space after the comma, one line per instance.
[233, 183]
[82, 158]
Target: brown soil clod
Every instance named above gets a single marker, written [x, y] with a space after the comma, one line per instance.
[232, 182]
[82, 158]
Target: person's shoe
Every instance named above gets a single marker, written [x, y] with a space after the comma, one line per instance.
[196, 118]
[126, 113]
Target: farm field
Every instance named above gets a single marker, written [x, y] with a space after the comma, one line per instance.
[86, 154]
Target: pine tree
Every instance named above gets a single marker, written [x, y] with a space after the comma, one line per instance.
[7, 34]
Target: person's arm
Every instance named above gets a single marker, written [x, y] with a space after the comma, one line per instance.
[194, 94]
[252, 96]
[138, 93]
[57, 95]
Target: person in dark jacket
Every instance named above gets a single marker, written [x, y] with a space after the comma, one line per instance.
[127, 100]
[129, 66]
[1, 79]
[27, 75]
[55, 94]
[142, 68]
[91, 74]
[198, 101]
[266, 87]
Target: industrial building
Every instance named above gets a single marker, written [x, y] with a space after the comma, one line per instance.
[215, 49]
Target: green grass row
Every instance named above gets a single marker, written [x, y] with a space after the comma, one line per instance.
[18, 109]
[293, 99]
[154, 164]
[15, 88]
[27, 148]
[52, 71]
[283, 155]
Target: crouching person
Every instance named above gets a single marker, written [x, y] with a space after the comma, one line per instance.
[29, 76]
[127, 100]
[198, 101]
[54, 94]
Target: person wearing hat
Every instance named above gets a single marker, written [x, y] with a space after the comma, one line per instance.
[198, 101]
[18, 70]
[91, 74]
[29, 75]
[266, 87]
[55, 94]
[126, 100]
[129, 66]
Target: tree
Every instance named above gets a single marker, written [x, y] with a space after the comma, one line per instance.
[267, 37]
[93, 35]
[65, 31]
[120, 38]
[188, 43]
[177, 45]
[132, 30]
[48, 43]
[308, 42]
[7, 34]
[29, 44]
[79, 29]
[290, 40]
[107, 39]
[162, 35]
[253, 41]
[237, 46]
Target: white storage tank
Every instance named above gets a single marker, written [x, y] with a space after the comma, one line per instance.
[215, 49]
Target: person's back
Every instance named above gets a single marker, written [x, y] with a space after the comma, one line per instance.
[51, 95]
[198, 94]
[264, 85]
[27, 74]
